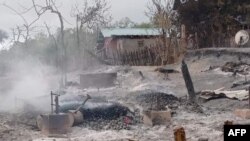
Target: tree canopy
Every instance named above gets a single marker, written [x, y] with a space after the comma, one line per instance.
[213, 18]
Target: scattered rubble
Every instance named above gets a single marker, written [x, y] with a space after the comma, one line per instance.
[241, 67]
[102, 124]
[152, 118]
[14, 128]
[165, 71]
[242, 83]
[210, 68]
[124, 122]
[215, 94]
[203, 139]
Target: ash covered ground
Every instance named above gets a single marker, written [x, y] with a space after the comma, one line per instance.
[138, 94]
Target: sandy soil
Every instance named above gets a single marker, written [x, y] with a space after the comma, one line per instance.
[130, 84]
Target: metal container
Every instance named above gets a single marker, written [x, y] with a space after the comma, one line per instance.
[55, 124]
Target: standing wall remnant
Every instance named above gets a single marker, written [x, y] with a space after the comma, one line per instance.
[98, 80]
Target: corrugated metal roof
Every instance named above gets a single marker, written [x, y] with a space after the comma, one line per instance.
[109, 32]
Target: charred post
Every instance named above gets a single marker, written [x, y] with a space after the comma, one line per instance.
[188, 81]
[179, 134]
[52, 104]
[57, 104]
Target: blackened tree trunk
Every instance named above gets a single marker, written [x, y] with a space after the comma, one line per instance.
[188, 82]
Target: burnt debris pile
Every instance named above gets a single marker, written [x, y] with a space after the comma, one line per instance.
[102, 115]
[157, 101]
[241, 67]
[95, 110]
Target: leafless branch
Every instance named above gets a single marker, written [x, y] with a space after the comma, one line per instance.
[24, 30]
[160, 12]
[51, 6]
[16, 12]
[17, 32]
[91, 15]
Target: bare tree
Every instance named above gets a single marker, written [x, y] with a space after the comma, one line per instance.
[124, 22]
[24, 30]
[16, 34]
[55, 43]
[161, 15]
[90, 16]
[50, 5]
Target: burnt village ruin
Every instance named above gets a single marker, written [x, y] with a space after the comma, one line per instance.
[113, 70]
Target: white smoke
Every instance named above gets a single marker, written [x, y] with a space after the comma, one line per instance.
[30, 84]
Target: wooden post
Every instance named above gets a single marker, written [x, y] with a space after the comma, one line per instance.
[249, 96]
[125, 57]
[228, 122]
[129, 59]
[188, 81]
[138, 57]
[118, 57]
[179, 134]
[132, 58]
[52, 104]
[57, 104]
[144, 58]
[142, 76]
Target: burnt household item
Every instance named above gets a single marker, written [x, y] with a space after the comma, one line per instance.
[55, 123]
[241, 37]
[77, 114]
[98, 80]
[95, 109]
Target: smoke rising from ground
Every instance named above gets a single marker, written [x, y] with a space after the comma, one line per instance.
[28, 83]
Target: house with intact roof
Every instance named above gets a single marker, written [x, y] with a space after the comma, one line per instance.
[114, 41]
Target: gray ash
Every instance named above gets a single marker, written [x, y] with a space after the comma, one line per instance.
[102, 124]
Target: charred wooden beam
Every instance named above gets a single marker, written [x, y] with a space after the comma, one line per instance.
[188, 82]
